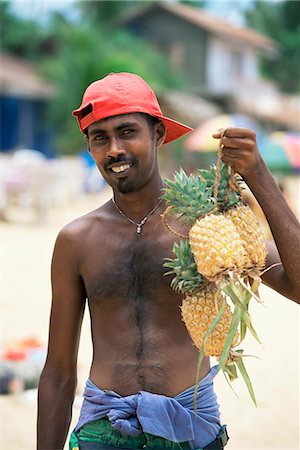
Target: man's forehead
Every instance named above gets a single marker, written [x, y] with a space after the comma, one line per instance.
[117, 120]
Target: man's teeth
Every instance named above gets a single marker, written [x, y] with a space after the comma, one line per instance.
[120, 168]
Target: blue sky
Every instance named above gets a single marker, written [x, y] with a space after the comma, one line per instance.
[39, 9]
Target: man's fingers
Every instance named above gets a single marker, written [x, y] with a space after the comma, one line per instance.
[239, 132]
[235, 143]
[218, 134]
[232, 153]
[235, 132]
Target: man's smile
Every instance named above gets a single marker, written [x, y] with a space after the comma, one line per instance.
[122, 168]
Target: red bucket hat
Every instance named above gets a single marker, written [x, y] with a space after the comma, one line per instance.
[123, 93]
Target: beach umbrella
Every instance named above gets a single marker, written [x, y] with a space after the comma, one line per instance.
[201, 140]
[281, 151]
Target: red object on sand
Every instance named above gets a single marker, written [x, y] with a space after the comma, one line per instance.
[14, 355]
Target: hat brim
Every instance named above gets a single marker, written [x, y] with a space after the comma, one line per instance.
[174, 129]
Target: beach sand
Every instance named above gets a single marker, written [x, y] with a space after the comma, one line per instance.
[25, 307]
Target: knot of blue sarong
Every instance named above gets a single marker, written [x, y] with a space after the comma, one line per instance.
[166, 417]
[122, 414]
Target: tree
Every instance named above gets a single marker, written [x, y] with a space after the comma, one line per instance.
[196, 3]
[106, 12]
[281, 21]
[18, 36]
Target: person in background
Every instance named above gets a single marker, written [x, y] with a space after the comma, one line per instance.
[92, 180]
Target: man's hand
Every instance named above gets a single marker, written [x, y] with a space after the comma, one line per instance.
[240, 150]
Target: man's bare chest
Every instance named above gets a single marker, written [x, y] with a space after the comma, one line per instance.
[126, 269]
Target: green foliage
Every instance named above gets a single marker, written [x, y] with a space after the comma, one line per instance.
[281, 21]
[73, 66]
[106, 12]
[18, 36]
[195, 3]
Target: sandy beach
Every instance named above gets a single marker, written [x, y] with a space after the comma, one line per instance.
[25, 306]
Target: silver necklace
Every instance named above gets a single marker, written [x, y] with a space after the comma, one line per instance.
[143, 221]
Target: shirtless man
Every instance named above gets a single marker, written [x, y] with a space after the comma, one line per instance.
[144, 361]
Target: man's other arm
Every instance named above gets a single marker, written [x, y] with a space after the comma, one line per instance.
[59, 376]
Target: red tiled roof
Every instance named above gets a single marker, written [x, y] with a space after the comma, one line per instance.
[212, 24]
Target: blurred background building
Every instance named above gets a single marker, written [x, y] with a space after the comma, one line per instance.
[24, 98]
[220, 60]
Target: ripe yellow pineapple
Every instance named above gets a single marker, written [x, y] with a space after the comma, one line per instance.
[251, 235]
[216, 245]
[198, 311]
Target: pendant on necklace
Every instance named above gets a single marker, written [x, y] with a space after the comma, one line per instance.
[142, 222]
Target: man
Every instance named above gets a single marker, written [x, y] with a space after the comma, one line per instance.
[139, 394]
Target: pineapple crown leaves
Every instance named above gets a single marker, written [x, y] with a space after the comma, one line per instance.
[187, 278]
[189, 196]
[208, 176]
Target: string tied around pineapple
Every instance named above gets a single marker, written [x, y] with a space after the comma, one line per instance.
[164, 217]
[232, 185]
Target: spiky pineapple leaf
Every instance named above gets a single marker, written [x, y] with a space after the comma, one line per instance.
[193, 196]
[189, 196]
[209, 176]
[183, 267]
[236, 317]
[231, 371]
[240, 365]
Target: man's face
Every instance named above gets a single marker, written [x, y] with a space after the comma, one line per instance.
[124, 149]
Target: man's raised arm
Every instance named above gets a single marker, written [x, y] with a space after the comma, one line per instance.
[241, 153]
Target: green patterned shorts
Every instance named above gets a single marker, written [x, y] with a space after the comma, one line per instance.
[101, 432]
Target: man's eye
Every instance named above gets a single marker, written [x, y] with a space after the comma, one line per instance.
[127, 132]
[99, 138]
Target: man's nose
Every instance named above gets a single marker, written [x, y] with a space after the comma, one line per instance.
[115, 149]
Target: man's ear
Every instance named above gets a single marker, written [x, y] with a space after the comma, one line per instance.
[86, 138]
[160, 133]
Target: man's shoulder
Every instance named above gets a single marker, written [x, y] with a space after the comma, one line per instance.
[81, 226]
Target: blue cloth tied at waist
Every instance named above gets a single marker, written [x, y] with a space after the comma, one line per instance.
[170, 418]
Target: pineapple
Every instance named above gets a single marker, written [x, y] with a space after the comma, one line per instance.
[216, 245]
[199, 310]
[251, 235]
[242, 216]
